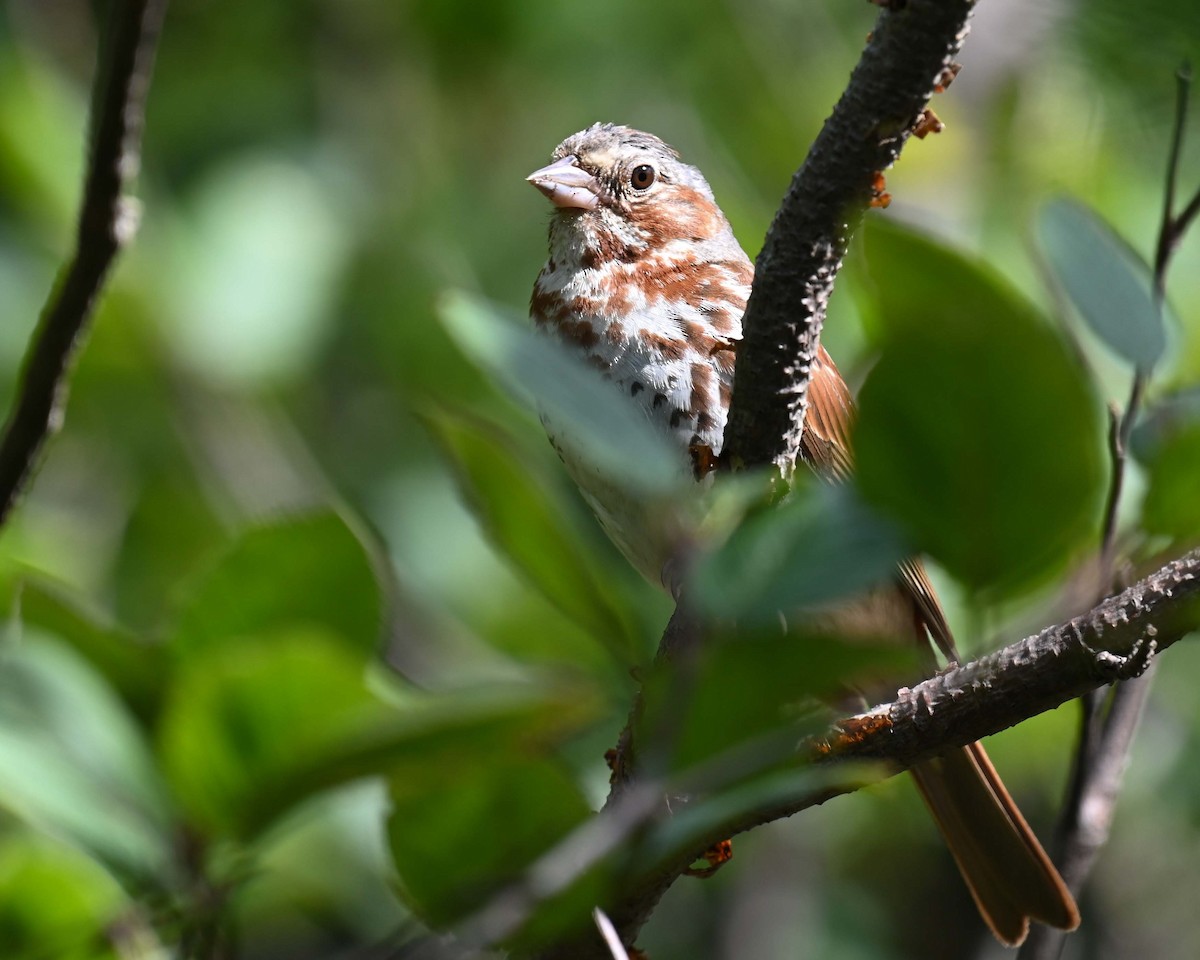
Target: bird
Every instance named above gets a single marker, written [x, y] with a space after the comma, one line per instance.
[646, 282]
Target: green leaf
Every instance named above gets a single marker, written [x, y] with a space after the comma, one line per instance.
[1160, 421]
[242, 720]
[519, 514]
[54, 903]
[73, 762]
[462, 831]
[38, 107]
[821, 544]
[746, 700]
[1107, 282]
[312, 570]
[979, 432]
[135, 669]
[611, 431]
[260, 216]
[170, 526]
[904, 272]
[249, 731]
[1172, 503]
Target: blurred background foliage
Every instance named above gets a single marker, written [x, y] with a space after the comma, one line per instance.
[277, 461]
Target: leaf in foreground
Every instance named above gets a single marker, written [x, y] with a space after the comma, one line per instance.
[1108, 283]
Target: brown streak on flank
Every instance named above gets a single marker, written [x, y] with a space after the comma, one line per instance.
[577, 331]
[580, 306]
[706, 286]
[703, 382]
[743, 273]
[685, 280]
[703, 340]
[546, 306]
[613, 296]
[704, 395]
[670, 347]
[724, 317]
[725, 392]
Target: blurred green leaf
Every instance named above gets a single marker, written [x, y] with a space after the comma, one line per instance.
[73, 762]
[1172, 503]
[41, 140]
[519, 514]
[240, 720]
[170, 526]
[821, 544]
[256, 218]
[606, 427]
[979, 432]
[311, 570]
[1130, 51]
[906, 273]
[461, 831]
[54, 903]
[747, 700]
[1108, 283]
[134, 668]
[1159, 421]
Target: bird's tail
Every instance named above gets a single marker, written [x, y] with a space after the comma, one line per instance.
[1007, 871]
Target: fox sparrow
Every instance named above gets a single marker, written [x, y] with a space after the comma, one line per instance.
[646, 281]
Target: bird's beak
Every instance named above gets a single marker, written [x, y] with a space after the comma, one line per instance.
[567, 184]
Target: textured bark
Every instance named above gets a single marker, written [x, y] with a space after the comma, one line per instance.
[1118, 639]
[911, 52]
[107, 221]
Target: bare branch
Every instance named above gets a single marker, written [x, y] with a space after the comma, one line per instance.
[1117, 639]
[910, 54]
[1109, 723]
[107, 221]
[1172, 228]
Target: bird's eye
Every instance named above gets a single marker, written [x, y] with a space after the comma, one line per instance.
[642, 177]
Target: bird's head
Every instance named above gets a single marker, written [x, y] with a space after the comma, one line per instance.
[627, 192]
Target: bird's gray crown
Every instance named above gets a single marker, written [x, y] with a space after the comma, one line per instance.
[602, 147]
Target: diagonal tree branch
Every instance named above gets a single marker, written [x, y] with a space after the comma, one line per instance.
[107, 222]
[910, 55]
[1115, 640]
[1109, 723]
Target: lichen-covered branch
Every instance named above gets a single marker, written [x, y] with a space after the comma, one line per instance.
[910, 54]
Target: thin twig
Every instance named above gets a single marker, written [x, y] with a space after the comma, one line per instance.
[911, 51]
[107, 221]
[1121, 426]
[1172, 228]
[1108, 729]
